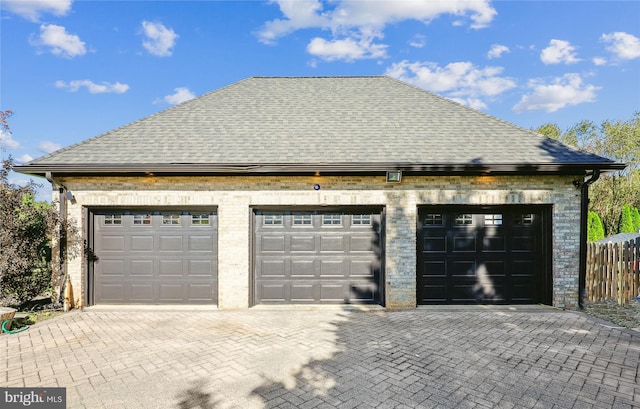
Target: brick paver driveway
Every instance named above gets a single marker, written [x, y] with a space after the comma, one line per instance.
[427, 358]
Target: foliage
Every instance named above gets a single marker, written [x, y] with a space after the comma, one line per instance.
[616, 140]
[635, 215]
[4, 115]
[594, 227]
[626, 221]
[27, 229]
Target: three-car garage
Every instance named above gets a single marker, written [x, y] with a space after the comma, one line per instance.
[310, 255]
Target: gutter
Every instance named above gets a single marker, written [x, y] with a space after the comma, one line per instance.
[584, 213]
[312, 167]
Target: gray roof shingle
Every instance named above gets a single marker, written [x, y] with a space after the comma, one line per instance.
[298, 121]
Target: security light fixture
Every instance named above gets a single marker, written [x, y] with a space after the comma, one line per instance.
[394, 176]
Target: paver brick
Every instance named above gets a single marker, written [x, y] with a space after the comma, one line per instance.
[329, 358]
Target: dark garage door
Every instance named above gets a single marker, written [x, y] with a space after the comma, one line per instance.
[317, 256]
[489, 255]
[155, 257]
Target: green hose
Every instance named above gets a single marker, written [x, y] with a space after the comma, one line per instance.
[4, 328]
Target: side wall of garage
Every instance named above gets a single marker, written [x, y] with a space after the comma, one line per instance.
[235, 196]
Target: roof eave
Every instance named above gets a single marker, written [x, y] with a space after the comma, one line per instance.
[287, 168]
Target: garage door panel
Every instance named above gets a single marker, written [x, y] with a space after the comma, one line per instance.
[303, 292]
[113, 243]
[170, 293]
[321, 256]
[361, 244]
[272, 244]
[171, 243]
[462, 293]
[523, 244]
[272, 292]
[464, 243]
[332, 244]
[112, 267]
[154, 259]
[433, 293]
[331, 268]
[496, 268]
[273, 268]
[199, 292]
[141, 268]
[303, 243]
[330, 292]
[437, 268]
[111, 292]
[170, 268]
[141, 292]
[462, 268]
[497, 243]
[303, 268]
[361, 269]
[523, 268]
[201, 268]
[140, 243]
[496, 254]
[435, 244]
[201, 244]
[365, 292]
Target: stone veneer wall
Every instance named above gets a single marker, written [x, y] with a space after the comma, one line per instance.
[234, 195]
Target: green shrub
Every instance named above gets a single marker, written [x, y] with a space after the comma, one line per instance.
[626, 221]
[595, 228]
[635, 215]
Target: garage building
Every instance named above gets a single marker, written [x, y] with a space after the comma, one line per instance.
[323, 190]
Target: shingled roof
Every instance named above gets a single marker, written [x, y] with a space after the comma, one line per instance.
[299, 124]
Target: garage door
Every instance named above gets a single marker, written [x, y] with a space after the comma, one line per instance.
[328, 256]
[483, 254]
[155, 257]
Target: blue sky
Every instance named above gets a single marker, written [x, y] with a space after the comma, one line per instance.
[71, 70]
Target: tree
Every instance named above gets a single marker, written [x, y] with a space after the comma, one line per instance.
[4, 115]
[626, 220]
[616, 140]
[27, 229]
[594, 227]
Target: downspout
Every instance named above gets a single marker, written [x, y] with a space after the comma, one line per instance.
[62, 234]
[584, 216]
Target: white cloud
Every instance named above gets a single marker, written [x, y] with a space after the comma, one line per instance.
[93, 88]
[159, 39]
[347, 49]
[599, 60]
[559, 51]
[460, 81]
[33, 9]
[355, 24]
[625, 46]
[61, 43]
[181, 94]
[48, 147]
[497, 50]
[24, 159]
[7, 141]
[561, 92]
[418, 41]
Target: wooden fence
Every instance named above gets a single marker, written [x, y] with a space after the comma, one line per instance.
[613, 271]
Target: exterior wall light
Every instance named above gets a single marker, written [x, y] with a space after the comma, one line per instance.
[394, 176]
